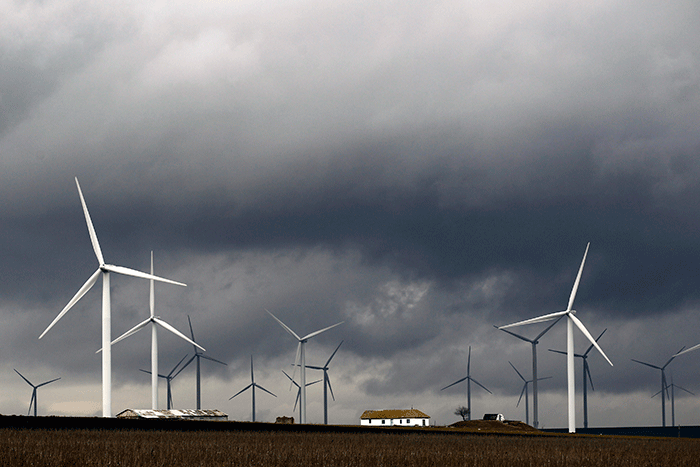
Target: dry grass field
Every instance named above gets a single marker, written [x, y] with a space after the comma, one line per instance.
[23, 447]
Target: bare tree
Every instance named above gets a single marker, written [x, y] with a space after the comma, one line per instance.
[462, 412]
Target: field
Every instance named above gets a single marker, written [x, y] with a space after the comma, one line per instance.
[65, 447]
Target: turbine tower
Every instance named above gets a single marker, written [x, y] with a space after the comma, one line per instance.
[572, 320]
[586, 376]
[103, 270]
[300, 360]
[663, 381]
[169, 378]
[326, 383]
[198, 355]
[469, 379]
[296, 401]
[154, 321]
[252, 386]
[33, 400]
[524, 391]
[533, 342]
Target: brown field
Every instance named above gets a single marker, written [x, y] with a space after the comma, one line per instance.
[39, 447]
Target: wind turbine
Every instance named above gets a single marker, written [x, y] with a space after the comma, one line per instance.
[570, 322]
[198, 355]
[533, 342]
[300, 360]
[296, 401]
[103, 270]
[524, 391]
[673, 399]
[252, 386]
[586, 376]
[469, 386]
[168, 378]
[663, 381]
[326, 383]
[154, 321]
[33, 400]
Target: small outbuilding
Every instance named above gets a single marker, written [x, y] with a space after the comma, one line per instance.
[182, 414]
[394, 417]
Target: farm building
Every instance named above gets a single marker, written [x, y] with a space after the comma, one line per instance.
[394, 417]
[185, 414]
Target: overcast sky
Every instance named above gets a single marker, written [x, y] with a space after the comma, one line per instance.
[420, 170]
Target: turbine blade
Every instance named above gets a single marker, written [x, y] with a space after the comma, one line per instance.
[241, 391]
[513, 334]
[139, 274]
[22, 376]
[48, 382]
[314, 382]
[578, 280]
[585, 332]
[516, 370]
[674, 356]
[333, 354]
[152, 292]
[557, 351]
[647, 364]
[191, 331]
[165, 325]
[297, 363]
[683, 389]
[91, 228]
[130, 332]
[547, 329]
[263, 389]
[469, 361]
[695, 347]
[587, 370]
[539, 319]
[456, 382]
[171, 376]
[590, 347]
[290, 379]
[286, 328]
[32, 401]
[205, 357]
[314, 334]
[330, 388]
[521, 394]
[484, 387]
[83, 290]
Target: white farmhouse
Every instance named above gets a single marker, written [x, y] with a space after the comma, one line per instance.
[394, 417]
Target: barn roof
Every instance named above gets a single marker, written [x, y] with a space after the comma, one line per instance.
[393, 413]
[174, 413]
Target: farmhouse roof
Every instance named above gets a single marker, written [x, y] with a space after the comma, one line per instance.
[183, 414]
[393, 413]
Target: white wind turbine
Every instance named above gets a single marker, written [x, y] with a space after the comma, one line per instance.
[469, 380]
[34, 400]
[154, 321]
[252, 387]
[300, 360]
[103, 270]
[570, 322]
[533, 343]
[524, 391]
[296, 401]
[326, 383]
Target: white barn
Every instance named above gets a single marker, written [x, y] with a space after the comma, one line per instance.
[394, 417]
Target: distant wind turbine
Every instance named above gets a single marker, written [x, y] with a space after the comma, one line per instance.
[524, 391]
[300, 360]
[296, 401]
[469, 379]
[252, 387]
[154, 321]
[198, 355]
[663, 381]
[572, 320]
[169, 378]
[586, 376]
[326, 383]
[533, 342]
[673, 399]
[103, 270]
[33, 400]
